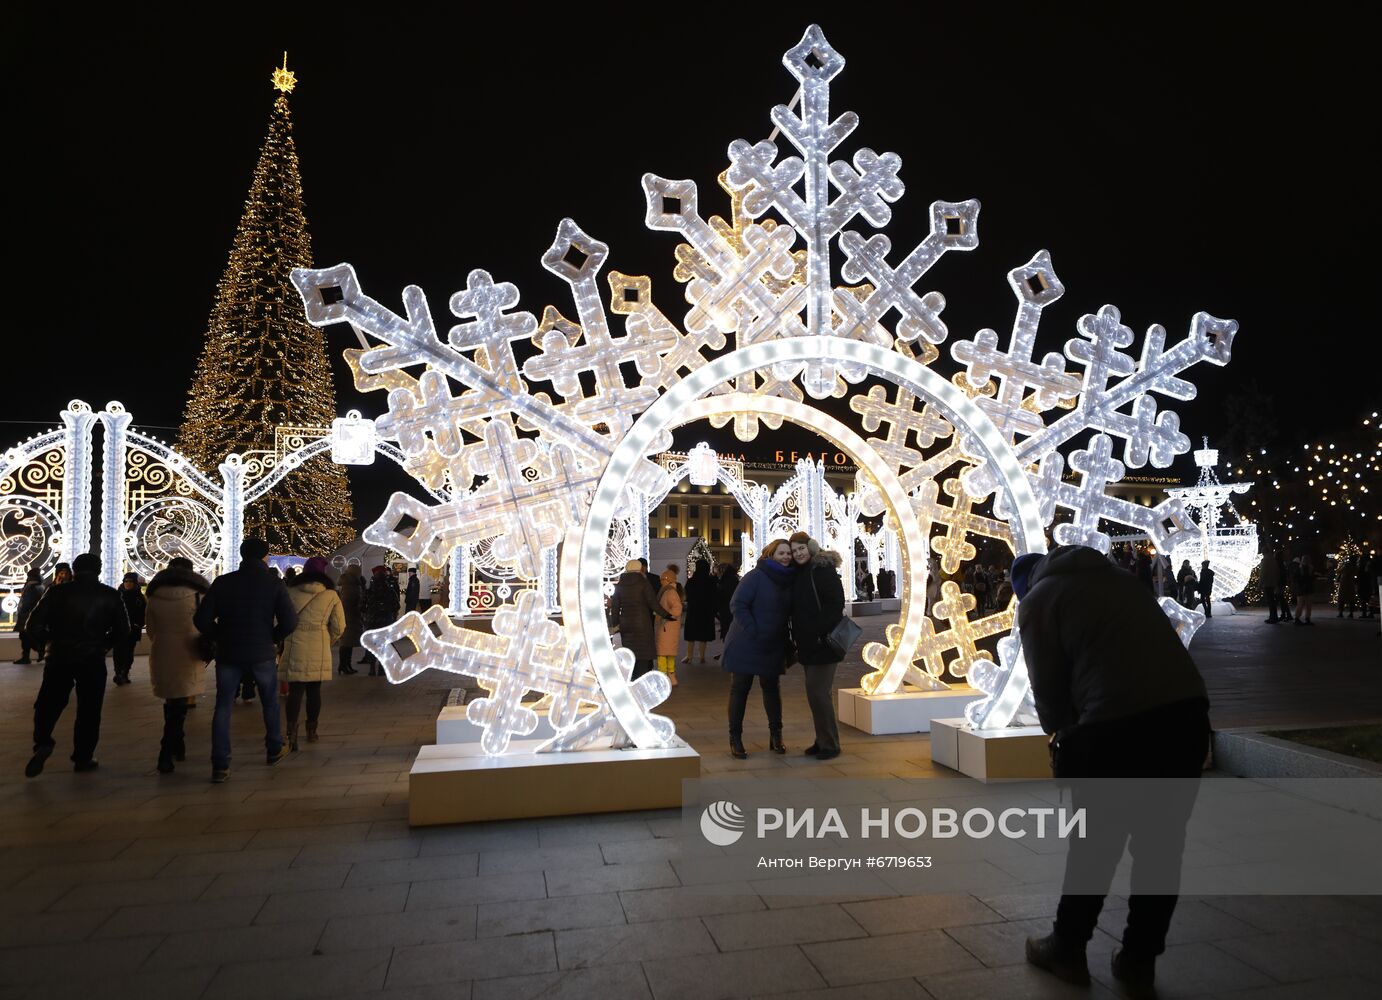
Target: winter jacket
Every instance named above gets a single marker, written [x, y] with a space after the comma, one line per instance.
[702, 598]
[812, 620]
[381, 601]
[134, 608]
[1097, 645]
[757, 640]
[411, 594]
[321, 622]
[724, 594]
[80, 619]
[668, 638]
[352, 594]
[28, 600]
[175, 661]
[633, 608]
[248, 613]
[1269, 572]
[1205, 584]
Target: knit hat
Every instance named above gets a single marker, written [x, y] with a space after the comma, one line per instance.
[633, 566]
[379, 571]
[254, 548]
[1022, 571]
[131, 576]
[317, 564]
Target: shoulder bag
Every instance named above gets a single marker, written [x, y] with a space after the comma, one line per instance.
[845, 632]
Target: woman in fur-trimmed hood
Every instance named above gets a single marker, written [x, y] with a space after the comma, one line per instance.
[306, 659]
[818, 604]
[176, 664]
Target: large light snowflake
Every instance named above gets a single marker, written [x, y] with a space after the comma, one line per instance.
[532, 451]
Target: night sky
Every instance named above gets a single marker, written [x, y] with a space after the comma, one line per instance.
[1170, 162]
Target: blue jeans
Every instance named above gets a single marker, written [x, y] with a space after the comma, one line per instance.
[228, 677]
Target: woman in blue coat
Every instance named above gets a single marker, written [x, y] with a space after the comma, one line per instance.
[756, 645]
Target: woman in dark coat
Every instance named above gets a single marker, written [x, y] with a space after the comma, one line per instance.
[352, 595]
[725, 588]
[632, 608]
[381, 607]
[702, 600]
[28, 600]
[818, 604]
[757, 643]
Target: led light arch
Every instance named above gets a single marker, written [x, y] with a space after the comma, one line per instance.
[985, 439]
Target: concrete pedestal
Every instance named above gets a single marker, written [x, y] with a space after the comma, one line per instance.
[1019, 752]
[908, 711]
[865, 609]
[458, 783]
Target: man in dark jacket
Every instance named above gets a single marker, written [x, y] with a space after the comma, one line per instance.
[412, 592]
[123, 652]
[818, 604]
[633, 607]
[1206, 588]
[79, 621]
[248, 613]
[1119, 692]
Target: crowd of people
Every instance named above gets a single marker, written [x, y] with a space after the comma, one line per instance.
[268, 636]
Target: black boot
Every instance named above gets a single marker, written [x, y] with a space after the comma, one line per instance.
[1135, 974]
[165, 763]
[293, 738]
[775, 742]
[1059, 958]
[736, 748]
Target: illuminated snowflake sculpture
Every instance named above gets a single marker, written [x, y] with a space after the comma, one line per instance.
[976, 455]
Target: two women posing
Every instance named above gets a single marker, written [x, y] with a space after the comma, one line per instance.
[783, 610]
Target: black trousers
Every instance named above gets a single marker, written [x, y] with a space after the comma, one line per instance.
[1147, 817]
[174, 743]
[59, 678]
[122, 655]
[1270, 593]
[820, 696]
[344, 659]
[24, 644]
[313, 691]
[739, 700]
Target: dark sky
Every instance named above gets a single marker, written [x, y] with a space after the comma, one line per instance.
[1170, 160]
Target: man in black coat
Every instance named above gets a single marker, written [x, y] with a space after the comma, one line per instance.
[1122, 698]
[248, 613]
[818, 604]
[79, 621]
[412, 592]
[1206, 588]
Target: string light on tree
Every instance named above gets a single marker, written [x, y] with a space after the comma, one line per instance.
[263, 367]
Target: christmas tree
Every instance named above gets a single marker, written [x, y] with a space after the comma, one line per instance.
[264, 368]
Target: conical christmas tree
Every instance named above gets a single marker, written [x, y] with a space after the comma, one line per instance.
[263, 366]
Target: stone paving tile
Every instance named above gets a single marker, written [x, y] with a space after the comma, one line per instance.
[107, 895]
[1335, 988]
[237, 944]
[269, 881]
[518, 836]
[168, 918]
[893, 956]
[142, 985]
[894, 989]
[567, 913]
[351, 852]
[1290, 913]
[1023, 905]
[325, 903]
[681, 901]
[578, 949]
[920, 913]
[230, 840]
[1193, 921]
[609, 982]
[609, 878]
[446, 893]
[434, 991]
[604, 831]
[637, 852]
[445, 866]
[521, 954]
[219, 862]
[397, 930]
[15, 902]
[91, 872]
[49, 928]
[737, 931]
[312, 976]
[37, 855]
[1289, 957]
[304, 833]
[739, 974]
[1005, 943]
[1193, 969]
[1012, 982]
[498, 862]
[53, 965]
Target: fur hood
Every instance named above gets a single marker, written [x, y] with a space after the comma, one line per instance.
[178, 578]
[827, 557]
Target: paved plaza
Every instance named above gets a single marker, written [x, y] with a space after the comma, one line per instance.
[305, 879]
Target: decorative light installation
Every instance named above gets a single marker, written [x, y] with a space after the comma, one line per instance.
[704, 465]
[353, 440]
[1222, 535]
[561, 467]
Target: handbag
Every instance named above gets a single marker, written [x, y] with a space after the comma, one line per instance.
[845, 632]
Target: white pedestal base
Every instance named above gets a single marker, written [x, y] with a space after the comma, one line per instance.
[1019, 752]
[1222, 608]
[457, 783]
[908, 711]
